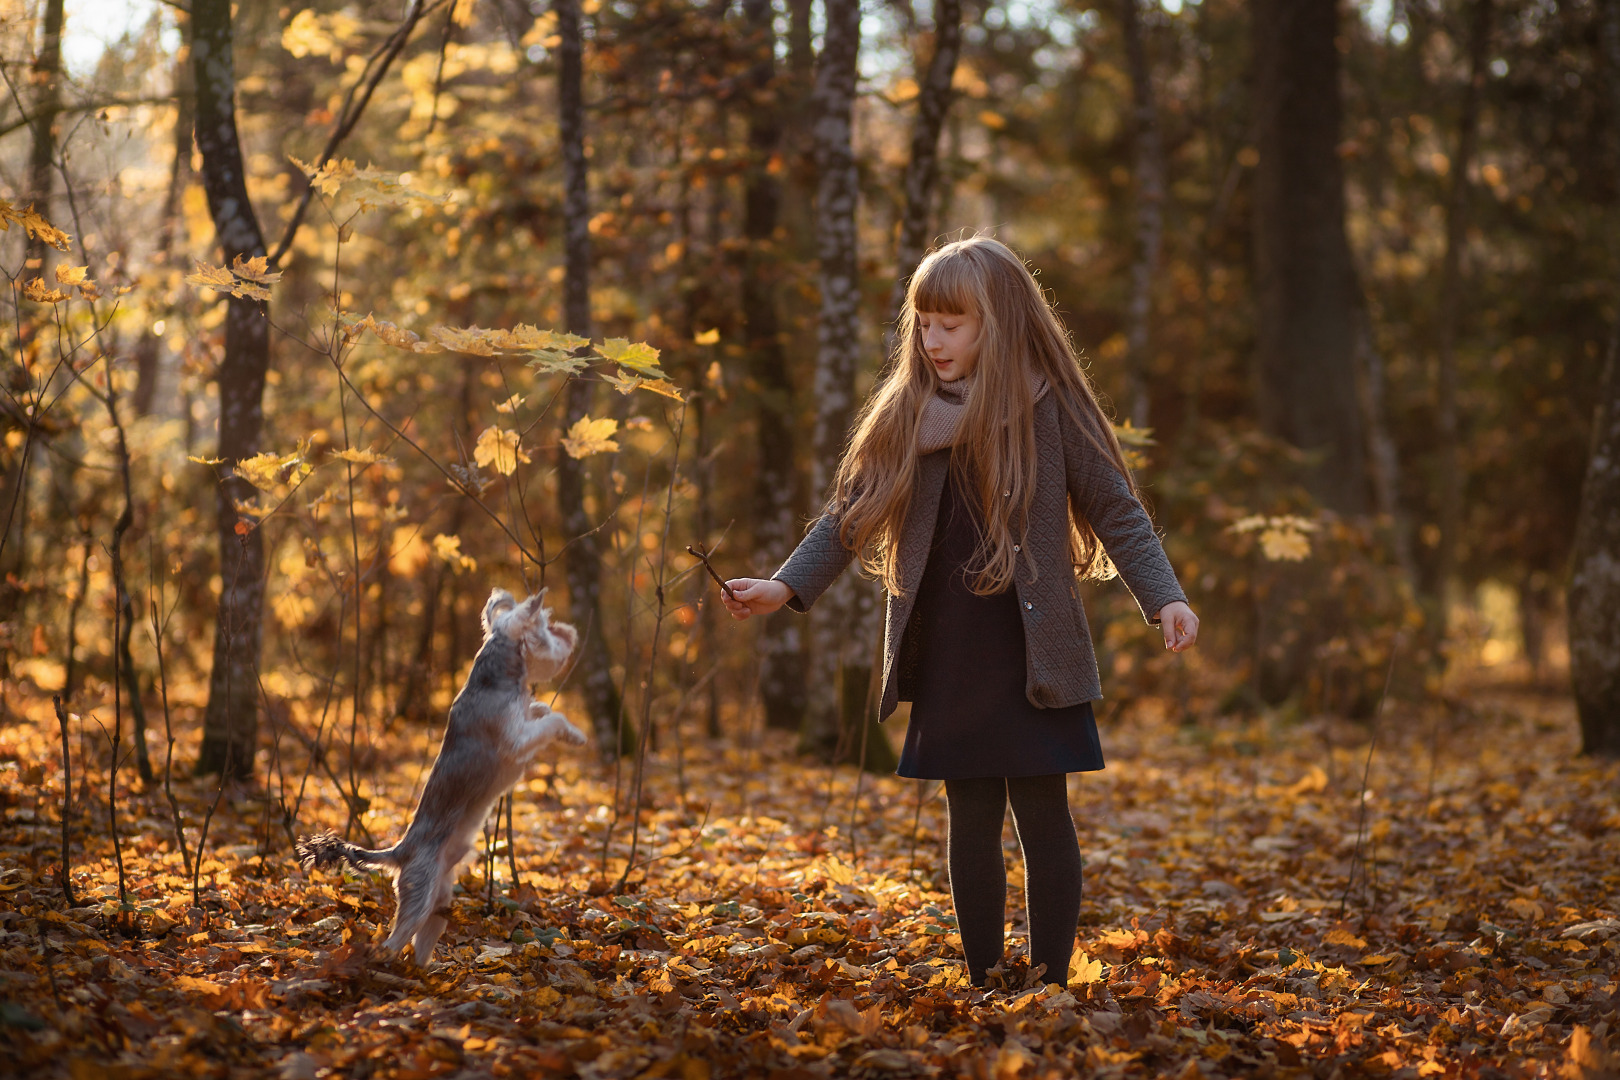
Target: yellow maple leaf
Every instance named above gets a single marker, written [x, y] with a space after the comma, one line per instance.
[707, 337]
[1084, 969]
[498, 449]
[1284, 544]
[359, 457]
[212, 277]
[588, 437]
[388, 334]
[33, 225]
[448, 548]
[472, 340]
[255, 269]
[38, 291]
[638, 356]
[72, 275]
[263, 470]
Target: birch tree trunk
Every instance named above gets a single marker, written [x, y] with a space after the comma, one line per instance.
[1594, 586]
[1305, 283]
[231, 721]
[1451, 479]
[583, 563]
[148, 350]
[839, 702]
[1149, 174]
[781, 641]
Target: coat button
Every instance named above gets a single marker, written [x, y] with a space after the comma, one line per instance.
[1028, 606]
[1016, 549]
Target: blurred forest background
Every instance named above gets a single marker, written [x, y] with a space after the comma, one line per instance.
[324, 319]
[1347, 274]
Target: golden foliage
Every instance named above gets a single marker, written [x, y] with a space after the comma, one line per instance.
[499, 449]
[357, 189]
[33, 224]
[587, 437]
[1283, 538]
[42, 293]
[448, 548]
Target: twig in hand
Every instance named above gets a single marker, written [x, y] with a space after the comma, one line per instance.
[703, 558]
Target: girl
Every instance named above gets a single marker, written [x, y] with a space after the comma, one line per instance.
[982, 475]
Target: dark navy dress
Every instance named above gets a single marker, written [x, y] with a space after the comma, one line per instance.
[969, 715]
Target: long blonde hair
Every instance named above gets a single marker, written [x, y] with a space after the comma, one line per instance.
[994, 451]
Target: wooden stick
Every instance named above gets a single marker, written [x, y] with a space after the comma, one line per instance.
[718, 580]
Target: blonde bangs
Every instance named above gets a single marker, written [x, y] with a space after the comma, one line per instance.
[945, 285]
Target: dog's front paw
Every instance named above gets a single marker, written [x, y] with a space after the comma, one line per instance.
[565, 732]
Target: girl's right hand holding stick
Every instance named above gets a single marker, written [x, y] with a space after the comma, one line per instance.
[756, 596]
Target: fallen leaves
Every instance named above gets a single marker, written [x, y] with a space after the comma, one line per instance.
[766, 942]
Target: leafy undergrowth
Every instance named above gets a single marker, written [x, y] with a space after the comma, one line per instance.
[1249, 911]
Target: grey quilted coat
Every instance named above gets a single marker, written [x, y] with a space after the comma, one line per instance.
[1062, 666]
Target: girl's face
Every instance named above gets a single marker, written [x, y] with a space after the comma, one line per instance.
[951, 342]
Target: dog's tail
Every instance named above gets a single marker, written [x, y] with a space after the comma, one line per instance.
[329, 849]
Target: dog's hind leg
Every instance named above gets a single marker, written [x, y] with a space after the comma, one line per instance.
[428, 936]
[416, 906]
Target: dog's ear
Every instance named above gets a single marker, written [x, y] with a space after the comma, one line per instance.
[534, 607]
[499, 600]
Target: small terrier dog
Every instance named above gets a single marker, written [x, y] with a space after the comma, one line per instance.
[494, 731]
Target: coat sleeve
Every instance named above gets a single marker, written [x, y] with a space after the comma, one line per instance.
[1118, 518]
[815, 564]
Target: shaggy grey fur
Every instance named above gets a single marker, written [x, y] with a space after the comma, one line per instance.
[495, 730]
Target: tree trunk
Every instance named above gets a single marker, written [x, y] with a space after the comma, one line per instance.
[1305, 284]
[1451, 479]
[922, 168]
[1149, 209]
[14, 509]
[841, 660]
[148, 349]
[781, 643]
[1594, 585]
[46, 74]
[583, 563]
[231, 722]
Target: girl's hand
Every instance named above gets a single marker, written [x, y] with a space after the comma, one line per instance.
[755, 596]
[1180, 626]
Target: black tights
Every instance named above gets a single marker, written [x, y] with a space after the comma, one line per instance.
[1040, 806]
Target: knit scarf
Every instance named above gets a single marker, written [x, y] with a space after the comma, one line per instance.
[942, 415]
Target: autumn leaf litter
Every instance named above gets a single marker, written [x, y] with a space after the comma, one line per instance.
[1242, 916]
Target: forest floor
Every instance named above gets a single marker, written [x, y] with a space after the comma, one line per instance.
[1252, 908]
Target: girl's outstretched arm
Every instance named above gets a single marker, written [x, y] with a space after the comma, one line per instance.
[815, 564]
[1116, 515]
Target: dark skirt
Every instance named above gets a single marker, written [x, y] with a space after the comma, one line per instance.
[969, 714]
